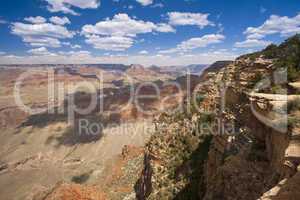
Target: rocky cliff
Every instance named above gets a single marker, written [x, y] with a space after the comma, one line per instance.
[237, 139]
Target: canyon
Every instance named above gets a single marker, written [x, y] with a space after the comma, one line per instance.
[234, 136]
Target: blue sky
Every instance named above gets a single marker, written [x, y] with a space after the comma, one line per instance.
[163, 32]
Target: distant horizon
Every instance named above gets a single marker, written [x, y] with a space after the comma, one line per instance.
[166, 61]
[112, 64]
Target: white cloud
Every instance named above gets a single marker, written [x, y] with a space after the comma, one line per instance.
[110, 43]
[169, 51]
[200, 42]
[73, 46]
[2, 21]
[255, 36]
[42, 41]
[65, 5]
[117, 33]
[12, 58]
[121, 25]
[147, 60]
[66, 43]
[74, 53]
[39, 51]
[157, 5]
[195, 43]
[43, 34]
[252, 43]
[76, 46]
[181, 18]
[130, 7]
[143, 52]
[46, 30]
[284, 26]
[165, 28]
[262, 10]
[60, 20]
[35, 20]
[145, 2]
[2, 53]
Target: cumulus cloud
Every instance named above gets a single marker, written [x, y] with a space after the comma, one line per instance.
[110, 43]
[46, 29]
[121, 25]
[144, 52]
[145, 2]
[72, 46]
[130, 7]
[66, 43]
[60, 20]
[117, 34]
[195, 43]
[74, 53]
[165, 28]
[169, 51]
[200, 42]
[157, 5]
[76, 46]
[186, 18]
[65, 5]
[43, 52]
[35, 20]
[252, 43]
[42, 41]
[284, 26]
[39, 51]
[41, 34]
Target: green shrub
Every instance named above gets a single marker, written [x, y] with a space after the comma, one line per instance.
[293, 105]
[207, 117]
[278, 89]
[81, 178]
[292, 73]
[257, 78]
[200, 98]
[271, 51]
[293, 121]
[257, 152]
